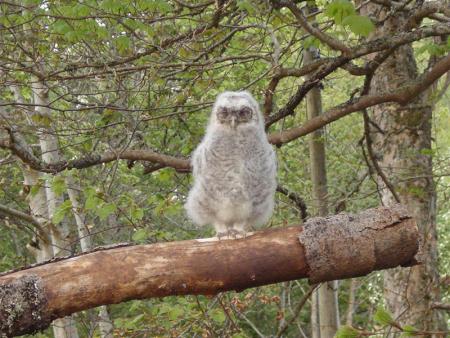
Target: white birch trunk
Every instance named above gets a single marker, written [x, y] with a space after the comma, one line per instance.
[38, 209]
[63, 327]
[104, 322]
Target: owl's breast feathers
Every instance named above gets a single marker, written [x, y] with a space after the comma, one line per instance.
[240, 168]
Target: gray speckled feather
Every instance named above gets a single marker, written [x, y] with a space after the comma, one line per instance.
[234, 169]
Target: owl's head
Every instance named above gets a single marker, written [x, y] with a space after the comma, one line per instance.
[235, 109]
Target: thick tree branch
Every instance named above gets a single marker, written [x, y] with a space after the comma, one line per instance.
[441, 306]
[335, 247]
[163, 160]
[325, 68]
[427, 9]
[303, 89]
[402, 96]
[7, 211]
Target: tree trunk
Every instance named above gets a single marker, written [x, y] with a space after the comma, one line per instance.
[41, 246]
[401, 136]
[351, 302]
[62, 327]
[104, 322]
[324, 314]
[324, 249]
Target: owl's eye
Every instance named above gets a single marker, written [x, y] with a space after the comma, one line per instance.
[223, 113]
[245, 113]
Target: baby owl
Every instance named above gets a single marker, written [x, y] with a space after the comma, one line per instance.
[234, 169]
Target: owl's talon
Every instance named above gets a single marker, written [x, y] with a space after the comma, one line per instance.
[231, 234]
[236, 234]
[222, 235]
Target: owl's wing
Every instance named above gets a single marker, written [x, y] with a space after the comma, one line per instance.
[198, 160]
[274, 160]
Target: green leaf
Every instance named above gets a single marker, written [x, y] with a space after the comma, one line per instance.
[61, 212]
[61, 27]
[58, 185]
[360, 25]
[35, 189]
[105, 210]
[164, 176]
[137, 213]
[433, 49]
[137, 319]
[339, 10]
[87, 145]
[218, 316]
[41, 120]
[82, 10]
[427, 151]
[123, 43]
[409, 331]
[140, 235]
[110, 115]
[347, 332]
[245, 5]
[383, 317]
[311, 41]
[176, 312]
[114, 6]
[92, 202]
[163, 6]
[239, 335]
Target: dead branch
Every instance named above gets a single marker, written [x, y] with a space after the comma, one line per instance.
[335, 247]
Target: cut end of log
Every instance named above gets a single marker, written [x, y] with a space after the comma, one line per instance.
[23, 302]
[346, 245]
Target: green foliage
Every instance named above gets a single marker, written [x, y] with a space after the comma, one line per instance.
[248, 6]
[218, 316]
[106, 209]
[92, 199]
[344, 13]
[58, 185]
[346, 331]
[383, 317]
[63, 210]
[132, 75]
[360, 25]
[338, 10]
[409, 331]
[140, 235]
[123, 43]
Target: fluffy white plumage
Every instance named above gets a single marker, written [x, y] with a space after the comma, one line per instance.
[234, 169]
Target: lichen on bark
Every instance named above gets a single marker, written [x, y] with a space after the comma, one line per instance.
[22, 302]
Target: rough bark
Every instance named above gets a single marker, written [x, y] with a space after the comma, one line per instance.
[401, 141]
[324, 313]
[323, 249]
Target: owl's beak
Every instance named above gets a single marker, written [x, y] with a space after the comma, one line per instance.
[233, 122]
